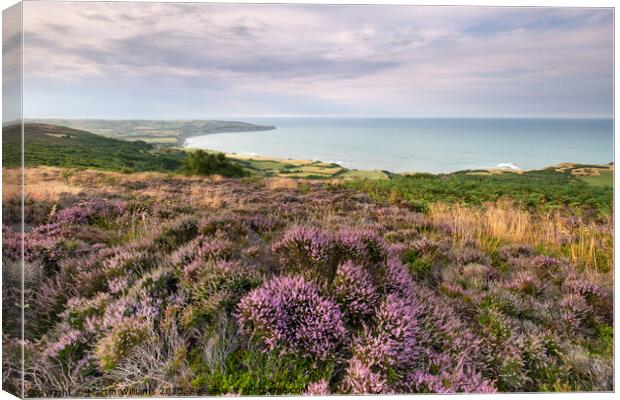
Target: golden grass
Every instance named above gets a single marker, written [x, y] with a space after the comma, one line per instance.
[588, 245]
[297, 163]
[41, 184]
[201, 196]
[281, 183]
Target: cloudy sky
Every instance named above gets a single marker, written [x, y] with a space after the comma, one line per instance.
[137, 60]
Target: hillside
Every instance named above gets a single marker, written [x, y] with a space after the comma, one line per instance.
[164, 132]
[56, 145]
[61, 146]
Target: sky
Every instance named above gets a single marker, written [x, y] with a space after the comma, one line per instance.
[185, 61]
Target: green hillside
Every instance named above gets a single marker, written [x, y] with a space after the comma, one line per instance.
[164, 133]
[65, 147]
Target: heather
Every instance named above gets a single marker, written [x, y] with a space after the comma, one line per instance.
[270, 286]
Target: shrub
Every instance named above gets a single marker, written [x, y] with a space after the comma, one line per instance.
[316, 253]
[90, 210]
[391, 342]
[355, 292]
[318, 388]
[204, 249]
[130, 264]
[176, 233]
[363, 246]
[397, 279]
[215, 287]
[111, 349]
[307, 251]
[289, 315]
[199, 162]
[80, 309]
[360, 379]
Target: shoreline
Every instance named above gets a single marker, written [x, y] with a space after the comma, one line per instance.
[504, 167]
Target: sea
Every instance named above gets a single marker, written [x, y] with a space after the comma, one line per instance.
[436, 145]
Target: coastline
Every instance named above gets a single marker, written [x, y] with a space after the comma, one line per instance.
[424, 145]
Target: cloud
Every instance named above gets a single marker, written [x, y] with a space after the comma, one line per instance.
[347, 59]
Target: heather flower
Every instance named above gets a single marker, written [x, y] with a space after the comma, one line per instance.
[74, 215]
[130, 263]
[439, 327]
[545, 263]
[226, 224]
[396, 250]
[424, 382]
[507, 253]
[11, 244]
[85, 212]
[80, 309]
[354, 291]
[361, 245]
[397, 278]
[66, 342]
[259, 223]
[200, 250]
[526, 283]
[575, 310]
[308, 251]
[318, 388]
[117, 284]
[583, 288]
[392, 341]
[305, 242]
[445, 382]
[186, 253]
[478, 275]
[360, 379]
[289, 315]
[468, 255]
[214, 248]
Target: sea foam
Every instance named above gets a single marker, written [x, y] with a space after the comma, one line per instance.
[507, 165]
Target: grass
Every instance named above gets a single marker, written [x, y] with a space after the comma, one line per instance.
[357, 174]
[547, 189]
[264, 166]
[602, 179]
[588, 245]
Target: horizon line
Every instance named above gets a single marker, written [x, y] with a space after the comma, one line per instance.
[220, 117]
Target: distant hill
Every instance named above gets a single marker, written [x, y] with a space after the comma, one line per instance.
[164, 132]
[53, 145]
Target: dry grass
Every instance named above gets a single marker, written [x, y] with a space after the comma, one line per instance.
[588, 245]
[281, 183]
[41, 184]
[201, 196]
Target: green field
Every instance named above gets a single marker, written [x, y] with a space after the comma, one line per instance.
[605, 178]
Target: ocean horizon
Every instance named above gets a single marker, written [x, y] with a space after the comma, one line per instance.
[436, 145]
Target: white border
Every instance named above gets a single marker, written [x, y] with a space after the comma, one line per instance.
[510, 3]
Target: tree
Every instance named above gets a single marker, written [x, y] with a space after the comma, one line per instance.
[200, 162]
